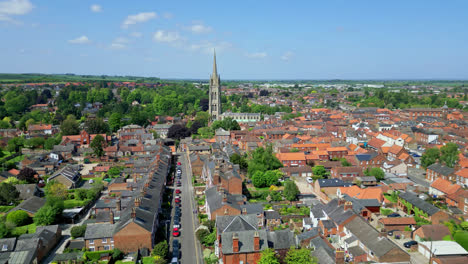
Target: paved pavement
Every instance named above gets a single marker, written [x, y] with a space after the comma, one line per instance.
[416, 257]
[190, 247]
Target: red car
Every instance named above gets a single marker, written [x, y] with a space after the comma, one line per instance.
[177, 200]
[178, 191]
[178, 163]
[176, 232]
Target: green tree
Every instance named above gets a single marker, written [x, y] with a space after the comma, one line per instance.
[70, 126]
[97, 145]
[290, 191]
[49, 143]
[45, 215]
[81, 194]
[449, 154]
[115, 122]
[272, 177]
[430, 157]
[115, 171]
[205, 132]
[268, 257]
[299, 256]
[345, 163]
[96, 126]
[56, 189]
[319, 172]
[227, 124]
[78, 231]
[15, 144]
[161, 249]
[258, 179]
[378, 173]
[202, 117]
[8, 193]
[19, 218]
[240, 160]
[263, 159]
[4, 229]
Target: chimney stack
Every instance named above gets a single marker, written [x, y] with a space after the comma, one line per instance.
[348, 205]
[111, 217]
[244, 211]
[118, 205]
[256, 241]
[224, 198]
[133, 212]
[235, 242]
[137, 202]
[339, 256]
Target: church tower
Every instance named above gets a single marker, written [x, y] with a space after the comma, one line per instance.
[215, 93]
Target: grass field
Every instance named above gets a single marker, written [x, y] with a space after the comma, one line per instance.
[72, 203]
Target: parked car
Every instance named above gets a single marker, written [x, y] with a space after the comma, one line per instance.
[410, 244]
[179, 183]
[178, 163]
[394, 215]
[390, 233]
[176, 224]
[309, 180]
[178, 191]
[175, 253]
[177, 200]
[175, 243]
[175, 232]
[175, 261]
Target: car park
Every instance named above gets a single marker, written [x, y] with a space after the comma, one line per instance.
[410, 244]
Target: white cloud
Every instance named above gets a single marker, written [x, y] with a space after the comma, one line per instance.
[138, 18]
[167, 15]
[80, 40]
[287, 55]
[199, 28]
[96, 8]
[166, 36]
[14, 8]
[257, 55]
[119, 43]
[136, 34]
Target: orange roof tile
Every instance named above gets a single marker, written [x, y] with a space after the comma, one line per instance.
[368, 193]
[462, 173]
[445, 186]
[291, 156]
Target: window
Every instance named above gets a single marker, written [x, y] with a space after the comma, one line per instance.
[112, 240]
[4, 247]
[104, 240]
[91, 241]
[106, 247]
[91, 248]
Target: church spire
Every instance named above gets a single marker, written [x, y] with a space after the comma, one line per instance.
[215, 69]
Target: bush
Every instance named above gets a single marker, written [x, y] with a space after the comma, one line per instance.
[117, 255]
[201, 234]
[161, 249]
[19, 218]
[78, 231]
[209, 239]
[385, 212]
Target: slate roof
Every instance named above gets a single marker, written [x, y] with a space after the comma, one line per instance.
[369, 236]
[441, 169]
[419, 203]
[317, 210]
[252, 208]
[333, 183]
[215, 199]
[31, 205]
[328, 224]
[234, 223]
[22, 257]
[356, 251]
[246, 239]
[281, 239]
[97, 231]
[7, 244]
[70, 172]
[308, 234]
[323, 256]
[337, 213]
[272, 214]
[27, 191]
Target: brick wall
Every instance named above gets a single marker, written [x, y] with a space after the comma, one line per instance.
[133, 237]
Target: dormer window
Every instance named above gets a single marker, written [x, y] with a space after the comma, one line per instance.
[4, 247]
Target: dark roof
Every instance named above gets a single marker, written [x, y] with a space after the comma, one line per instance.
[328, 224]
[27, 191]
[246, 239]
[281, 239]
[70, 172]
[333, 183]
[253, 208]
[97, 231]
[356, 251]
[272, 215]
[419, 203]
[308, 234]
[215, 199]
[441, 169]
[337, 213]
[234, 223]
[366, 157]
[317, 210]
[7, 244]
[22, 257]
[371, 238]
[323, 255]
[31, 205]
[76, 244]
[68, 256]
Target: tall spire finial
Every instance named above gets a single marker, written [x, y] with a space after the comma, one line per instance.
[215, 70]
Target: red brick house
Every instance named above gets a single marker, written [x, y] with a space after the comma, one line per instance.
[346, 173]
[438, 170]
[292, 159]
[397, 223]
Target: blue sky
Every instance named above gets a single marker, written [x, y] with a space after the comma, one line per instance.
[254, 39]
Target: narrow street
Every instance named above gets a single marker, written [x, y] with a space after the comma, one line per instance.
[190, 247]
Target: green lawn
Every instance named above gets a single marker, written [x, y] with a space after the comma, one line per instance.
[390, 198]
[72, 203]
[27, 229]
[385, 211]
[6, 208]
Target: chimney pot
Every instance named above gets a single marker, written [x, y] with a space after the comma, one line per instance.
[133, 212]
[111, 217]
[235, 242]
[256, 241]
[244, 210]
[118, 205]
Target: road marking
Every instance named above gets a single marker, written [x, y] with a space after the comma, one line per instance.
[191, 207]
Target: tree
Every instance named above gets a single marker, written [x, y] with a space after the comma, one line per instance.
[262, 159]
[56, 189]
[117, 254]
[227, 124]
[202, 117]
[45, 215]
[299, 256]
[15, 144]
[272, 177]
[290, 191]
[70, 126]
[258, 179]
[18, 218]
[97, 145]
[27, 174]
[178, 131]
[96, 126]
[430, 157]
[268, 257]
[201, 234]
[345, 163]
[240, 160]
[161, 249]
[205, 132]
[4, 230]
[378, 173]
[8, 193]
[78, 231]
[115, 122]
[449, 154]
[115, 171]
[81, 194]
[319, 172]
